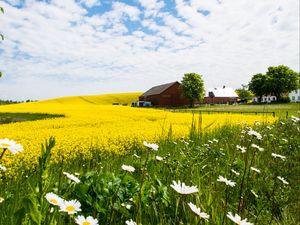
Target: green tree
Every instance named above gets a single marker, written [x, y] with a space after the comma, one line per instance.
[192, 86]
[259, 85]
[282, 80]
[243, 93]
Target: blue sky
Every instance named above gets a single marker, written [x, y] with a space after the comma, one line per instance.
[78, 47]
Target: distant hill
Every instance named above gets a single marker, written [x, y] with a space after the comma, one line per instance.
[104, 99]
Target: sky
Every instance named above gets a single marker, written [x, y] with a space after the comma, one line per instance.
[56, 48]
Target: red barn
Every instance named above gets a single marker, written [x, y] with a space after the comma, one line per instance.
[165, 95]
[221, 96]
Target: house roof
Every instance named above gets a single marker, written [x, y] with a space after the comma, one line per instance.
[223, 92]
[156, 90]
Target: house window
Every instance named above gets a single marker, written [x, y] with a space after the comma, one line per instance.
[293, 98]
[299, 97]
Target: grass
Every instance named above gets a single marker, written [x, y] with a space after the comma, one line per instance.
[281, 110]
[21, 117]
[114, 196]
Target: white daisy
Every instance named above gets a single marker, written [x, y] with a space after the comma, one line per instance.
[254, 134]
[237, 219]
[1, 199]
[54, 199]
[81, 220]
[227, 182]
[241, 148]
[197, 210]
[255, 169]
[154, 147]
[128, 168]
[183, 189]
[257, 147]
[3, 168]
[278, 156]
[254, 193]
[71, 207]
[11, 146]
[130, 222]
[159, 158]
[235, 172]
[282, 180]
[72, 177]
[295, 119]
[136, 156]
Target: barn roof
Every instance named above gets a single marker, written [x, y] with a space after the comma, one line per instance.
[223, 92]
[156, 90]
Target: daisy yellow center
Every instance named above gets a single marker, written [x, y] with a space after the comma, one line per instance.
[54, 201]
[86, 223]
[70, 208]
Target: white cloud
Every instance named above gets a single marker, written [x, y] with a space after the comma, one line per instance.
[55, 49]
[91, 3]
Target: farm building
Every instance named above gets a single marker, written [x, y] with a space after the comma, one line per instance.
[222, 95]
[169, 94]
[295, 96]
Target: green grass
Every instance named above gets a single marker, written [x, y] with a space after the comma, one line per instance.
[281, 110]
[21, 117]
[105, 189]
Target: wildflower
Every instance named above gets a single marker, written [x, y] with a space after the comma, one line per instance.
[237, 219]
[216, 140]
[241, 148]
[128, 168]
[136, 156]
[255, 134]
[11, 146]
[183, 189]
[285, 140]
[159, 158]
[154, 147]
[197, 210]
[257, 123]
[282, 180]
[278, 156]
[127, 206]
[71, 207]
[210, 142]
[269, 128]
[257, 147]
[282, 123]
[3, 168]
[227, 182]
[203, 167]
[72, 177]
[1, 199]
[54, 199]
[130, 222]
[256, 196]
[81, 220]
[295, 119]
[255, 169]
[236, 173]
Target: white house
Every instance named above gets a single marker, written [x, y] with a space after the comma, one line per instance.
[295, 96]
[265, 99]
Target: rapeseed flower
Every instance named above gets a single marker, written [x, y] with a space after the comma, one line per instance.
[183, 189]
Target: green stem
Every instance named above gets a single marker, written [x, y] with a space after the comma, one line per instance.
[2, 154]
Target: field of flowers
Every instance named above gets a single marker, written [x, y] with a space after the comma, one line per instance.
[92, 123]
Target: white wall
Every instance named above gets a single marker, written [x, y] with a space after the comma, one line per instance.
[295, 96]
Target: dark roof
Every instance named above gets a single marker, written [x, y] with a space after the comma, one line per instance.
[158, 89]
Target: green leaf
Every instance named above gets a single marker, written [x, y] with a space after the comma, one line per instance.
[19, 215]
[2, 37]
[1, 9]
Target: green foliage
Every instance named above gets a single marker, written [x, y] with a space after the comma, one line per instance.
[113, 196]
[244, 93]
[282, 80]
[192, 86]
[277, 81]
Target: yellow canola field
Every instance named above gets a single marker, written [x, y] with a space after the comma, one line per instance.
[89, 125]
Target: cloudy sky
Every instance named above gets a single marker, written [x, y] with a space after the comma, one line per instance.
[78, 47]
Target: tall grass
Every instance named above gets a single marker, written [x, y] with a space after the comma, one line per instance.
[114, 196]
